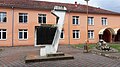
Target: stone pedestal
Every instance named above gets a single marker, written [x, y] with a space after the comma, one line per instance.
[42, 51]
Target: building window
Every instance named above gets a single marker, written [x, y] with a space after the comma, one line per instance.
[104, 21]
[75, 20]
[91, 34]
[3, 34]
[23, 17]
[62, 34]
[23, 34]
[76, 34]
[42, 18]
[3, 17]
[90, 20]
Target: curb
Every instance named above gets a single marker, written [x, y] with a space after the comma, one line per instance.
[106, 55]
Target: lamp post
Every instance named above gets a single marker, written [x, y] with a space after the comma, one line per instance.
[87, 40]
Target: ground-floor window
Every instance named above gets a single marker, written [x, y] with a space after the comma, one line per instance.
[91, 34]
[76, 34]
[62, 34]
[23, 34]
[3, 34]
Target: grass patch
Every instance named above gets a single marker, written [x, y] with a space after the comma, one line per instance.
[115, 46]
[82, 46]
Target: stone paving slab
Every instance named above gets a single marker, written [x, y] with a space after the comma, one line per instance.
[15, 56]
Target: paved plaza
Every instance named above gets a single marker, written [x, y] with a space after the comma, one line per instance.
[15, 57]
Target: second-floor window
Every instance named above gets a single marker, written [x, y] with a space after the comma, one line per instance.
[76, 34]
[23, 18]
[3, 17]
[90, 20]
[3, 34]
[42, 18]
[75, 20]
[91, 34]
[104, 21]
[23, 34]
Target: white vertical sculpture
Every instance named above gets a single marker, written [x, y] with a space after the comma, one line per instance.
[59, 12]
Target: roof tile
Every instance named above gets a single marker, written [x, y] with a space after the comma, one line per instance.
[30, 4]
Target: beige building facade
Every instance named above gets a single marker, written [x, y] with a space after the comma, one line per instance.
[18, 22]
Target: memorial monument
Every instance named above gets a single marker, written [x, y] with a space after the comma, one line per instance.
[47, 38]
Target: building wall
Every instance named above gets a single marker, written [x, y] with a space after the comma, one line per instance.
[113, 22]
[30, 25]
[8, 26]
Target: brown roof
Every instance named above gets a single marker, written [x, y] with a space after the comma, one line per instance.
[30, 4]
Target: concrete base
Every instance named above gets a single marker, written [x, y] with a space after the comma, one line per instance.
[49, 57]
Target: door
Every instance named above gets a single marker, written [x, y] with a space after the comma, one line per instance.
[107, 36]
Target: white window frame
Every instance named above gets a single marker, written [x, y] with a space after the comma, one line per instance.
[2, 16]
[23, 16]
[90, 20]
[62, 32]
[2, 31]
[91, 34]
[76, 32]
[23, 31]
[76, 18]
[42, 20]
[104, 21]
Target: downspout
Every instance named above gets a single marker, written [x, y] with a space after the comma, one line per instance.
[68, 28]
[12, 26]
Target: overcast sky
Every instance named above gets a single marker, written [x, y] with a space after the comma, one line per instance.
[113, 5]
